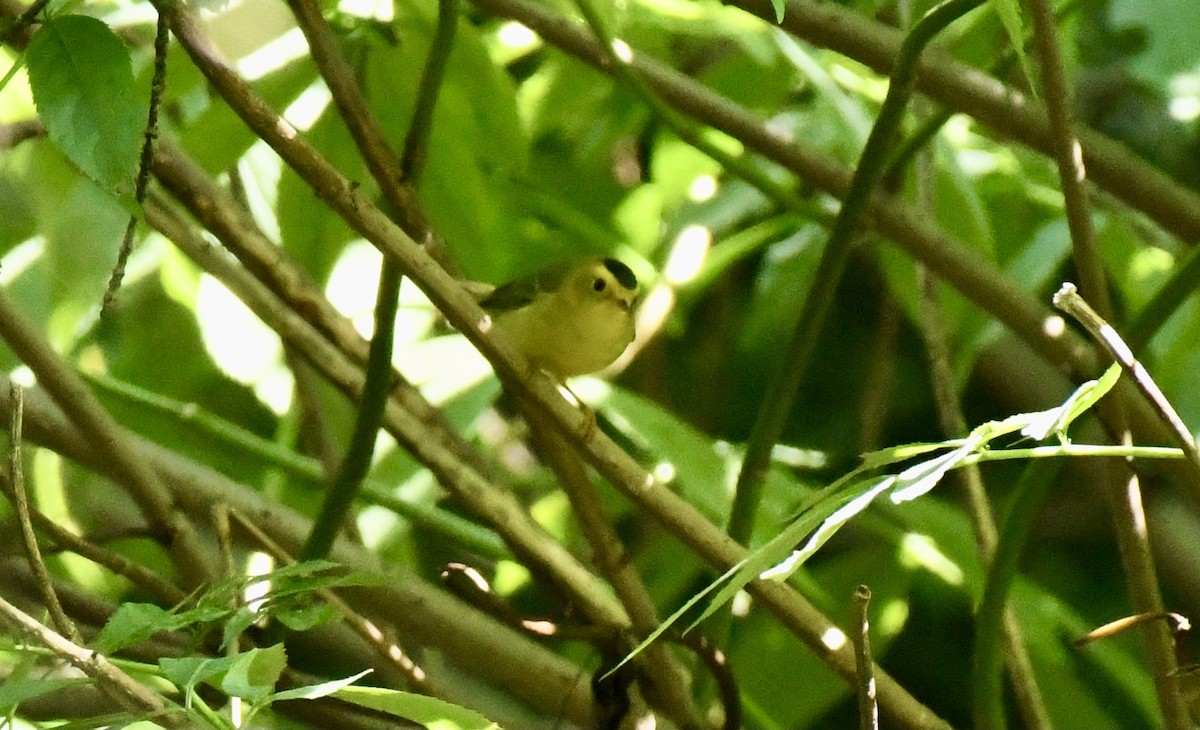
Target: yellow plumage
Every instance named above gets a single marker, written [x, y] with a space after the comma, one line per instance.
[568, 319]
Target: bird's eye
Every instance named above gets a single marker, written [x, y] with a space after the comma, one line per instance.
[599, 284]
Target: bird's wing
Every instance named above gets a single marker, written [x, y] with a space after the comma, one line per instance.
[522, 291]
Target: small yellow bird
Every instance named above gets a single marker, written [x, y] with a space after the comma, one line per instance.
[569, 318]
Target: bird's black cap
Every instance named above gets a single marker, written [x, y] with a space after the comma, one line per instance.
[621, 273]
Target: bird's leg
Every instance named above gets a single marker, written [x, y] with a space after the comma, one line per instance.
[589, 414]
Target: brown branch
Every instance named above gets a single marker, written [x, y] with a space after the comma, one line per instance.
[464, 313]
[432, 444]
[367, 631]
[135, 573]
[975, 278]
[1007, 110]
[421, 613]
[868, 710]
[119, 685]
[1069, 301]
[16, 492]
[665, 677]
[73, 396]
[14, 133]
[1123, 486]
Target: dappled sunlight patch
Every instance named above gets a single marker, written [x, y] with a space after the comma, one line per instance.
[919, 551]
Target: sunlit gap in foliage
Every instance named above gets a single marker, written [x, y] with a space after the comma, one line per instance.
[273, 55]
[20, 259]
[382, 11]
[622, 51]
[242, 346]
[1185, 97]
[684, 263]
[798, 458]
[833, 638]
[442, 367]
[1054, 326]
[687, 255]
[664, 472]
[703, 188]
[257, 563]
[516, 36]
[308, 106]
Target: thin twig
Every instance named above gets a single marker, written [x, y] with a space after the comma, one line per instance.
[73, 396]
[14, 133]
[135, 573]
[868, 709]
[1012, 113]
[552, 684]
[158, 87]
[398, 180]
[429, 443]
[24, 21]
[1123, 488]
[1070, 302]
[1178, 624]
[308, 470]
[464, 313]
[347, 483]
[124, 689]
[664, 675]
[416, 144]
[785, 383]
[388, 650]
[16, 476]
[987, 676]
[953, 423]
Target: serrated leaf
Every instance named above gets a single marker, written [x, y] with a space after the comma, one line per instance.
[83, 86]
[241, 620]
[187, 672]
[305, 616]
[251, 674]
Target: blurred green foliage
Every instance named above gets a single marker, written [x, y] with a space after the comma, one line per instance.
[536, 156]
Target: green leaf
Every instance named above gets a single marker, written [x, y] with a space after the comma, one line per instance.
[131, 624]
[250, 674]
[428, 711]
[701, 471]
[187, 672]
[306, 615]
[780, 6]
[83, 86]
[917, 480]
[218, 137]
[254, 673]
[241, 620]
[1058, 420]
[316, 691]
[13, 692]
[1010, 17]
